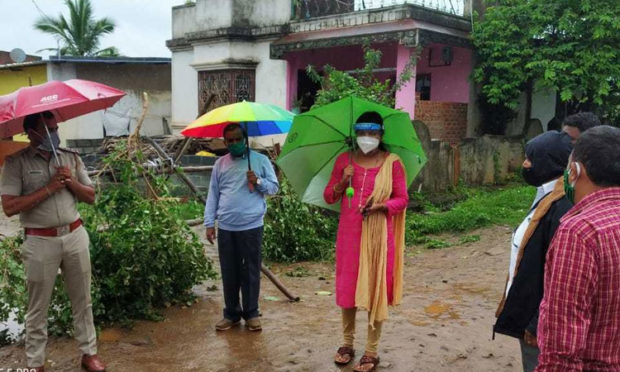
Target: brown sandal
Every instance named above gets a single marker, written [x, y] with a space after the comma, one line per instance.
[365, 360]
[343, 352]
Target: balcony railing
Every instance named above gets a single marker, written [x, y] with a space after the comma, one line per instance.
[305, 9]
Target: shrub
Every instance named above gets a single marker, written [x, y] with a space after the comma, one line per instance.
[296, 231]
[12, 284]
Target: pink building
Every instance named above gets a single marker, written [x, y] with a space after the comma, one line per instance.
[318, 33]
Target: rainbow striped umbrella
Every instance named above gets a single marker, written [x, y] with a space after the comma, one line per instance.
[258, 119]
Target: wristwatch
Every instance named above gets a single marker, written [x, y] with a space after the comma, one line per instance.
[258, 181]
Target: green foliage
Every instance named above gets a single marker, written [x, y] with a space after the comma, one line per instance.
[81, 33]
[336, 84]
[568, 46]
[188, 210]
[143, 254]
[12, 283]
[482, 208]
[436, 244]
[296, 231]
[147, 257]
[469, 239]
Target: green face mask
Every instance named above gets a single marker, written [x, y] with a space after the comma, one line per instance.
[237, 149]
[569, 188]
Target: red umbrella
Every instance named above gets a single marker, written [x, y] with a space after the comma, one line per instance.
[65, 99]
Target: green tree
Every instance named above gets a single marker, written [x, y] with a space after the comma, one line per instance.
[570, 46]
[81, 33]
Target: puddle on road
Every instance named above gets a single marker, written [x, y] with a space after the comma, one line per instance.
[437, 309]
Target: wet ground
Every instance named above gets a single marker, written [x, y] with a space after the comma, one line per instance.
[443, 324]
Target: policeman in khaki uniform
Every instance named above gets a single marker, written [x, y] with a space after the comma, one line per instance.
[46, 195]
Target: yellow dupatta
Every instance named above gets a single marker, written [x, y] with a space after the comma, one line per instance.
[371, 290]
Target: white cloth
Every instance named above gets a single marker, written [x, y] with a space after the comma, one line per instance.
[517, 235]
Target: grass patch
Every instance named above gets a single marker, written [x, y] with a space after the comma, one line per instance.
[483, 207]
[469, 239]
[436, 244]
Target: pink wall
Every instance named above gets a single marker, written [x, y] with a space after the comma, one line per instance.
[342, 58]
[448, 83]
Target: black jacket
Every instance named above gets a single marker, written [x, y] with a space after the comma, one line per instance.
[520, 309]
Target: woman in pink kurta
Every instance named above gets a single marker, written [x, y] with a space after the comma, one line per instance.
[350, 228]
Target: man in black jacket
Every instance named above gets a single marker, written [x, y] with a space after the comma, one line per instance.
[517, 316]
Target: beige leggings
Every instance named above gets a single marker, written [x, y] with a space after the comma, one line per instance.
[348, 325]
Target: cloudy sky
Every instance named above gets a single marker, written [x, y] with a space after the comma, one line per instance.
[142, 26]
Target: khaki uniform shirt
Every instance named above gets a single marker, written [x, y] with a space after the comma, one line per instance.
[27, 171]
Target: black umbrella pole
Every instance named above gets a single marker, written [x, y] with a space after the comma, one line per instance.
[247, 149]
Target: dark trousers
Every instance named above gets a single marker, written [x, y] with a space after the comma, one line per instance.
[529, 356]
[240, 263]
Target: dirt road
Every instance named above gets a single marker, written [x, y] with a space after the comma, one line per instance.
[443, 324]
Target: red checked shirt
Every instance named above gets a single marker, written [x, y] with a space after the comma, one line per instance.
[579, 325]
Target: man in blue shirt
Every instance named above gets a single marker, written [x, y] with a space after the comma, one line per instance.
[236, 200]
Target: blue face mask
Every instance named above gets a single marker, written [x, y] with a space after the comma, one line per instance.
[49, 143]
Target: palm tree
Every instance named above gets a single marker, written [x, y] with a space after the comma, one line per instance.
[80, 35]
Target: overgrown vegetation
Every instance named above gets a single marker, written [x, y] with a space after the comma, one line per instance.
[296, 231]
[144, 256]
[504, 206]
[12, 284]
[336, 84]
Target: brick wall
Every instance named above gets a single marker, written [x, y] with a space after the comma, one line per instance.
[5, 58]
[446, 121]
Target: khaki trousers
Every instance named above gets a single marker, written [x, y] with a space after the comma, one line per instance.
[348, 325]
[42, 257]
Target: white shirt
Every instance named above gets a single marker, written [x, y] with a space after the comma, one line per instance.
[517, 235]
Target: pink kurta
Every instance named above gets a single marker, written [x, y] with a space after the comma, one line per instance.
[350, 225]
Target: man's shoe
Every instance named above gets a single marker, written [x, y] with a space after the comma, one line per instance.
[34, 369]
[253, 324]
[92, 363]
[226, 324]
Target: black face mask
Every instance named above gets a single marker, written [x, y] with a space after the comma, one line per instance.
[531, 177]
[548, 154]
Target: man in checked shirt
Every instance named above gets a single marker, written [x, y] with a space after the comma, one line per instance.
[579, 324]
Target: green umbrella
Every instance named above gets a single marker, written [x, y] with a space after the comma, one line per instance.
[318, 136]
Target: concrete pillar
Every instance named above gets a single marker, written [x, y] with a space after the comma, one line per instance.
[405, 97]
[291, 81]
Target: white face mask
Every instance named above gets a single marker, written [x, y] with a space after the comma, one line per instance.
[367, 143]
